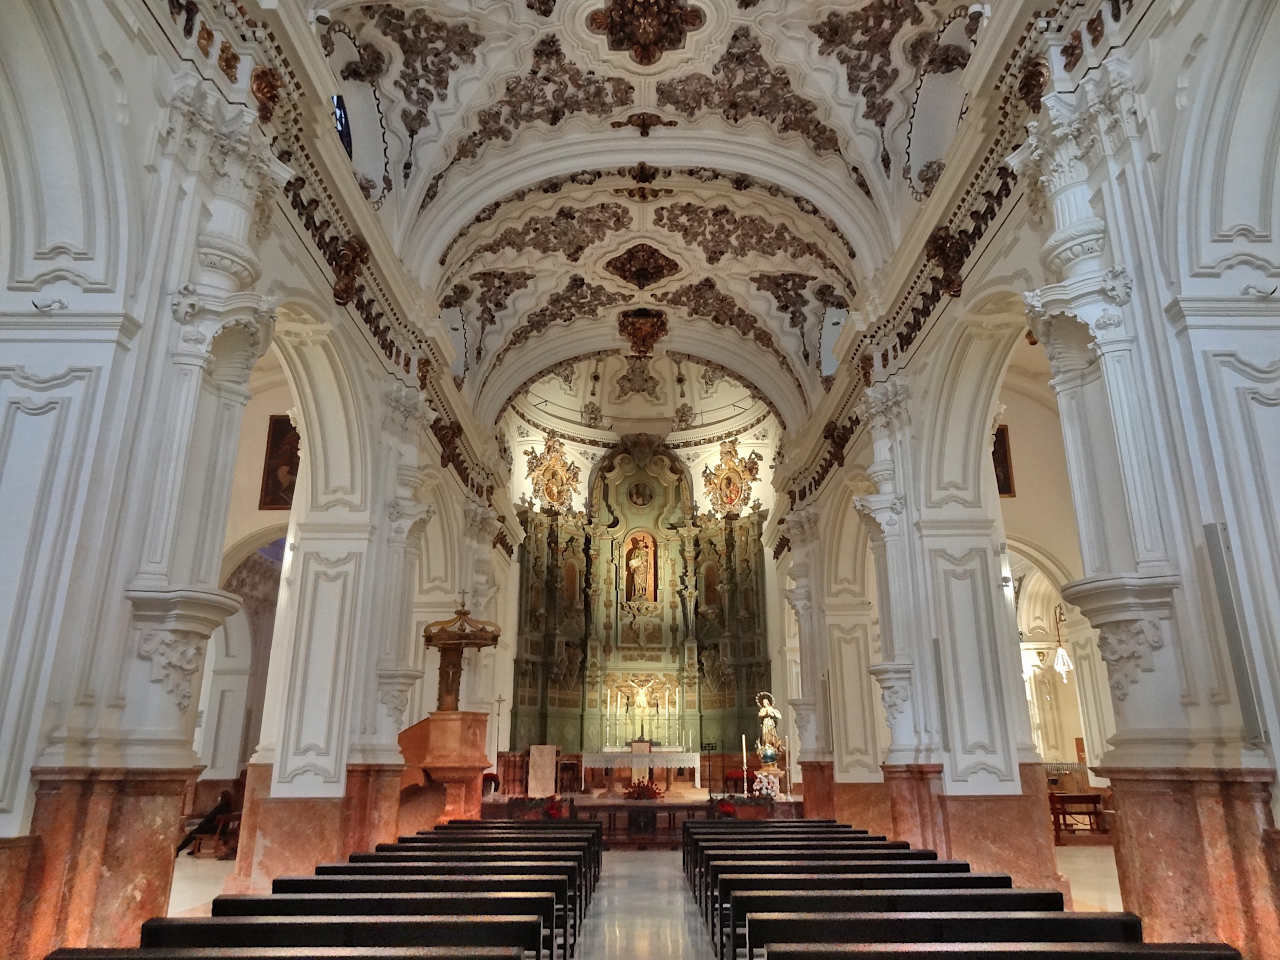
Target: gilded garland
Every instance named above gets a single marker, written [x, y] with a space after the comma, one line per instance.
[555, 479]
[728, 485]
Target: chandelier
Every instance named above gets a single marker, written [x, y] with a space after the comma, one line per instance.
[1061, 659]
[452, 637]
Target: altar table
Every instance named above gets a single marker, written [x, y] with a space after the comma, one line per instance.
[658, 759]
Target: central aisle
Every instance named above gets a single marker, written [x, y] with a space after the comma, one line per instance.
[642, 911]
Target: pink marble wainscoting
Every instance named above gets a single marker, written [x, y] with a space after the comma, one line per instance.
[819, 789]
[104, 862]
[19, 856]
[1008, 834]
[864, 805]
[1192, 855]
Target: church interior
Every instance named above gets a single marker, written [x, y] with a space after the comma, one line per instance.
[639, 478]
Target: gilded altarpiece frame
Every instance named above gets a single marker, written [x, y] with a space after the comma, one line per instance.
[639, 606]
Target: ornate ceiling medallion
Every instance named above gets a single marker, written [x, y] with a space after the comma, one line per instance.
[728, 486]
[647, 28]
[555, 479]
[643, 327]
[641, 265]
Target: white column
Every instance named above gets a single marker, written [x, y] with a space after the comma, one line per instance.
[1175, 700]
[812, 709]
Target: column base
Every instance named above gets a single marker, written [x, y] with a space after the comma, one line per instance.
[818, 798]
[290, 835]
[1197, 854]
[100, 858]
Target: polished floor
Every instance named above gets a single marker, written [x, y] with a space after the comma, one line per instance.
[642, 910]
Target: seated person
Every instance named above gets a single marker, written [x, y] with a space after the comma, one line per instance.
[209, 823]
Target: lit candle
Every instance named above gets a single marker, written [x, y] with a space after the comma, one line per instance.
[744, 755]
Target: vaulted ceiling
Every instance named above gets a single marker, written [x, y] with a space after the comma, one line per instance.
[720, 179]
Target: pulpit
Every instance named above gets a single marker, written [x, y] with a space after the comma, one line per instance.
[450, 744]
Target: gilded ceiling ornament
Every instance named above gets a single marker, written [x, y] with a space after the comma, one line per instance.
[728, 484]
[553, 89]
[647, 28]
[641, 265]
[578, 300]
[644, 122]
[743, 85]
[638, 379]
[643, 327]
[555, 479]
[431, 51]
[719, 232]
[229, 62]
[265, 84]
[204, 39]
[570, 231]
[353, 254]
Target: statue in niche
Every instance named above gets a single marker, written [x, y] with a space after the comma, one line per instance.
[641, 568]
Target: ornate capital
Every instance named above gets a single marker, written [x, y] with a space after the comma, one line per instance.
[800, 598]
[1127, 648]
[394, 685]
[802, 527]
[230, 331]
[173, 626]
[407, 414]
[886, 404]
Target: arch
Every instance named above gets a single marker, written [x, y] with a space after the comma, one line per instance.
[1224, 184]
[235, 554]
[333, 414]
[67, 195]
[957, 402]
[524, 164]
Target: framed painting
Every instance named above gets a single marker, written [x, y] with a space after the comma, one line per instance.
[279, 465]
[1003, 460]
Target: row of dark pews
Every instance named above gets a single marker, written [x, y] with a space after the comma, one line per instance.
[820, 890]
[467, 890]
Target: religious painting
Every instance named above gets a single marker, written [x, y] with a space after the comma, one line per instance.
[640, 494]
[642, 567]
[728, 485]
[280, 465]
[1003, 460]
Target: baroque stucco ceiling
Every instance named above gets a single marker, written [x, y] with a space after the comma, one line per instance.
[740, 169]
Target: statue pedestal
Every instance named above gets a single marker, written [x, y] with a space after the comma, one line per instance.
[449, 746]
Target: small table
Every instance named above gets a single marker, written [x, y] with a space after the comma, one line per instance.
[1076, 813]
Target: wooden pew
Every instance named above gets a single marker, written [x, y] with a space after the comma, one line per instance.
[901, 900]
[534, 839]
[818, 860]
[729, 883]
[445, 867]
[577, 857]
[375, 930]
[769, 845]
[555, 884]
[1011, 951]
[747, 839]
[287, 953]
[446, 903]
[952, 926]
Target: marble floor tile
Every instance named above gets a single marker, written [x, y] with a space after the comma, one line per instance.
[1091, 872]
[642, 910]
[196, 881]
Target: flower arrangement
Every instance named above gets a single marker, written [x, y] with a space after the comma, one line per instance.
[724, 809]
[554, 810]
[643, 790]
[766, 785]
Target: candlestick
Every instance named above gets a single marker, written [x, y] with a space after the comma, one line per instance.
[744, 764]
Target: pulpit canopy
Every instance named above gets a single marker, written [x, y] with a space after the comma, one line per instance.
[451, 637]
